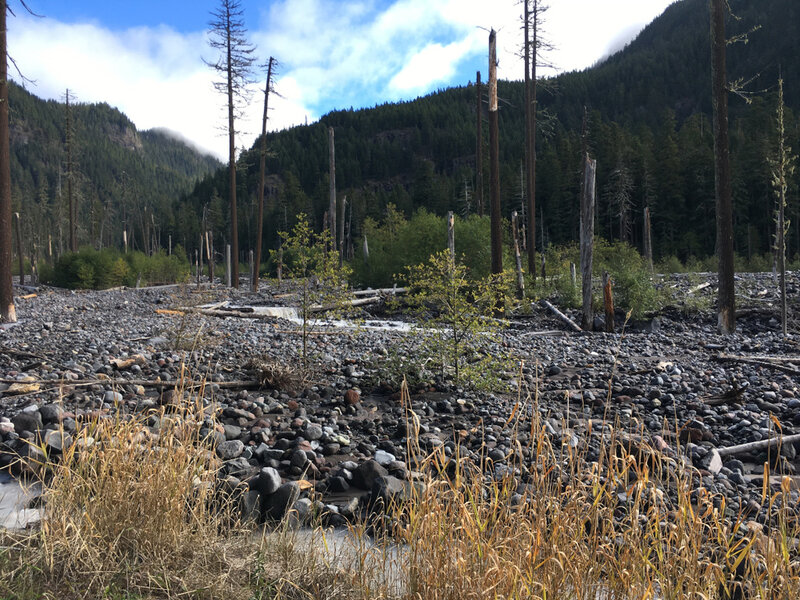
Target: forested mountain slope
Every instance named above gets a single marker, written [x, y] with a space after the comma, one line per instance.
[649, 128]
[122, 177]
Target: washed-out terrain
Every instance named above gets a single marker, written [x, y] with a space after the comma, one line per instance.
[339, 438]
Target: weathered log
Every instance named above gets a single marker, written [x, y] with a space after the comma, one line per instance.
[760, 361]
[381, 291]
[318, 308]
[715, 460]
[561, 316]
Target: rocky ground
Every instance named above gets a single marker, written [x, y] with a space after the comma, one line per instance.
[341, 435]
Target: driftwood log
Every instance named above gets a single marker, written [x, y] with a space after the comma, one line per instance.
[771, 362]
[715, 462]
[561, 316]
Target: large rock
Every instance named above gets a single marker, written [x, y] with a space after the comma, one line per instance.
[312, 432]
[230, 449]
[390, 491]
[366, 473]
[267, 481]
[251, 506]
[276, 505]
[51, 413]
[57, 440]
[27, 421]
[238, 467]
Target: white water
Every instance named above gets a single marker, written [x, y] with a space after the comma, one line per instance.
[372, 324]
[14, 501]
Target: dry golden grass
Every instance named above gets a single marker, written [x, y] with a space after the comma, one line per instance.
[136, 511]
[131, 514]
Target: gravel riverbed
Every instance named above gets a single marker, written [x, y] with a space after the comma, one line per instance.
[664, 383]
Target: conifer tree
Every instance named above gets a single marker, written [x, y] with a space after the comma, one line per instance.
[228, 35]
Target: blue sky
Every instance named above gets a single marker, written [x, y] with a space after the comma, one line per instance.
[145, 57]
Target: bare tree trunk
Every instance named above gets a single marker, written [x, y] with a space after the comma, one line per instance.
[530, 115]
[332, 177]
[73, 210]
[340, 230]
[232, 193]
[261, 171]
[7, 311]
[210, 256]
[197, 266]
[494, 160]
[648, 243]
[587, 239]
[451, 236]
[228, 264]
[608, 302]
[20, 252]
[479, 148]
[726, 299]
[200, 258]
[517, 257]
[526, 53]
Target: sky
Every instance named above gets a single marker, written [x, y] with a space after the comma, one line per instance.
[146, 57]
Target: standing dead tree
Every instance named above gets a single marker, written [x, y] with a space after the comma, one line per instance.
[73, 208]
[782, 168]
[726, 298]
[228, 36]
[261, 170]
[7, 311]
[533, 44]
[587, 239]
[332, 182]
[494, 161]
[479, 147]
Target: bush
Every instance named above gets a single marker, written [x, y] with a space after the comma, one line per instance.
[398, 243]
[101, 269]
[670, 264]
[630, 275]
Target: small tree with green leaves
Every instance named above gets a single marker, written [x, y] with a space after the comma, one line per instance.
[323, 282]
[457, 311]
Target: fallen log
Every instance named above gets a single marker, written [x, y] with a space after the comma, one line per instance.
[697, 288]
[562, 317]
[545, 333]
[381, 291]
[715, 462]
[759, 362]
[318, 308]
[732, 396]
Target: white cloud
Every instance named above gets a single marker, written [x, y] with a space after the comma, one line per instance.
[332, 55]
[434, 64]
[155, 76]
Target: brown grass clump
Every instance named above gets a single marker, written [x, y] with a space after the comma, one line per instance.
[583, 530]
[133, 514]
[277, 375]
[134, 511]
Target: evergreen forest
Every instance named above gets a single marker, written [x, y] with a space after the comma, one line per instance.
[647, 111]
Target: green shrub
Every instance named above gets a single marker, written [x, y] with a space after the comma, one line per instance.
[398, 243]
[670, 264]
[101, 269]
[632, 282]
